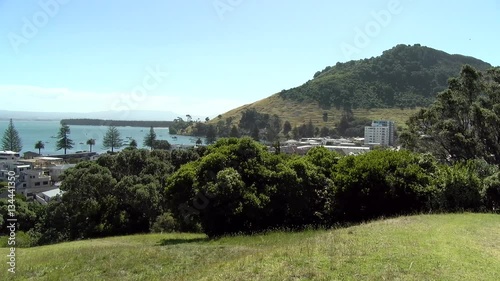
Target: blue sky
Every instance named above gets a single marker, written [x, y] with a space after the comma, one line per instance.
[204, 57]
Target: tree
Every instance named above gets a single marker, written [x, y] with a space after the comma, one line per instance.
[234, 132]
[150, 138]
[287, 127]
[64, 142]
[11, 140]
[162, 144]
[112, 139]
[255, 134]
[39, 145]
[273, 128]
[324, 132]
[309, 129]
[90, 143]
[464, 121]
[211, 134]
[133, 143]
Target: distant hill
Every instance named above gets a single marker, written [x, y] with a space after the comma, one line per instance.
[143, 115]
[390, 86]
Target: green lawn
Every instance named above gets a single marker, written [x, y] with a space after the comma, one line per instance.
[425, 247]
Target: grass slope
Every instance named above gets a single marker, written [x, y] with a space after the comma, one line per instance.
[424, 247]
[298, 113]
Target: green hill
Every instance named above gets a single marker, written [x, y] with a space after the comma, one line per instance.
[424, 247]
[391, 86]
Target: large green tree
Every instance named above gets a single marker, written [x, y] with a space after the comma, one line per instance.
[211, 136]
[150, 138]
[112, 139]
[464, 121]
[64, 142]
[11, 140]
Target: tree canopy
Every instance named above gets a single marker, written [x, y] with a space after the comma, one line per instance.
[464, 121]
[11, 140]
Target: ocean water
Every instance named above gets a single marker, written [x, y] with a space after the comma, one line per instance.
[31, 132]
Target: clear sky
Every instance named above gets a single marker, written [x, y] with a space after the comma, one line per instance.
[204, 57]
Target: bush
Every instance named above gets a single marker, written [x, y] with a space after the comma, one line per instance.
[23, 240]
[165, 223]
[382, 183]
[459, 187]
[491, 192]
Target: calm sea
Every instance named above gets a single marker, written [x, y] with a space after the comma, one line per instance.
[33, 131]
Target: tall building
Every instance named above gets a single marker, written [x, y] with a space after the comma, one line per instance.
[381, 132]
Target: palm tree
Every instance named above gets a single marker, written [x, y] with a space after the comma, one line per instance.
[39, 145]
[90, 143]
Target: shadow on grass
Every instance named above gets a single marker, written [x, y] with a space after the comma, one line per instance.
[167, 242]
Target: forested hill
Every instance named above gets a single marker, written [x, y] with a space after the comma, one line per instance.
[402, 77]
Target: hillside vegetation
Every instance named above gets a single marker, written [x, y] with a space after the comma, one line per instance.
[391, 86]
[424, 247]
[403, 77]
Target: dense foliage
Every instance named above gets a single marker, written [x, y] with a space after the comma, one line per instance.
[464, 121]
[403, 77]
[237, 185]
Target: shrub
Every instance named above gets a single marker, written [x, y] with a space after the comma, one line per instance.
[165, 223]
[491, 192]
[459, 187]
[382, 183]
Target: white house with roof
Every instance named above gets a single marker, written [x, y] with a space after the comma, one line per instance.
[7, 155]
[47, 196]
[56, 171]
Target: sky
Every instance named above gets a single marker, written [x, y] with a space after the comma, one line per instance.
[205, 57]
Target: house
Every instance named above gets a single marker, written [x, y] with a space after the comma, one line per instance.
[7, 155]
[47, 196]
[33, 181]
[30, 155]
[56, 171]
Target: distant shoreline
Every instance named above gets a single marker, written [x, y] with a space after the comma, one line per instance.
[117, 123]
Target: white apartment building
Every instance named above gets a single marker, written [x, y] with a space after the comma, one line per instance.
[6, 155]
[381, 132]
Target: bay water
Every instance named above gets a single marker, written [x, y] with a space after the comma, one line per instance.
[31, 132]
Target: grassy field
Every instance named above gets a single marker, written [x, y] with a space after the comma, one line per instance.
[425, 247]
[300, 113]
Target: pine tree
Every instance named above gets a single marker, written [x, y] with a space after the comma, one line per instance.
[64, 142]
[112, 139]
[11, 140]
[150, 138]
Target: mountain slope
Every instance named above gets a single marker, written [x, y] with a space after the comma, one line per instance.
[391, 86]
[404, 76]
[424, 247]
